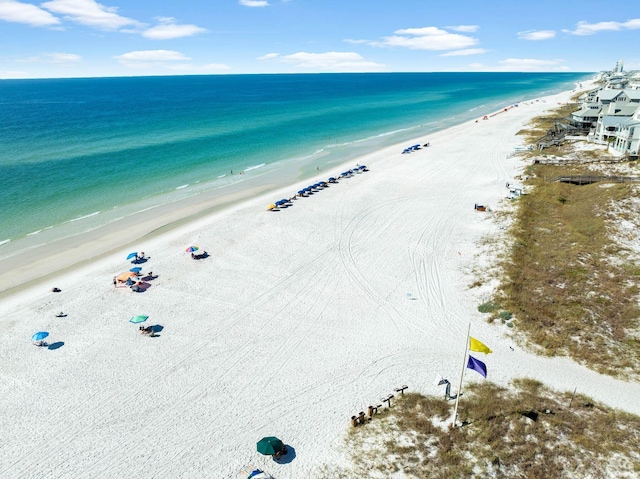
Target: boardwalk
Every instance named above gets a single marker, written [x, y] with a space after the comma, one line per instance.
[589, 179]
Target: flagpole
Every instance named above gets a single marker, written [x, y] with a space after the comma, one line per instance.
[464, 364]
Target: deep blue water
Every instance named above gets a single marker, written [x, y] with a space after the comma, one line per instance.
[70, 148]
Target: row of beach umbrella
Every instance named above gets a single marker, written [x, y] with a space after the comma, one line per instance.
[316, 187]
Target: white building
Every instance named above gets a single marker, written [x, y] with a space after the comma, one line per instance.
[628, 136]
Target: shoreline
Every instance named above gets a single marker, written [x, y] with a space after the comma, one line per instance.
[296, 321]
[29, 265]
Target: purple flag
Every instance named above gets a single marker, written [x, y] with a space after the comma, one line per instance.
[477, 366]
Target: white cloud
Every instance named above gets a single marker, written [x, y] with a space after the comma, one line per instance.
[329, 61]
[268, 56]
[355, 42]
[13, 74]
[90, 13]
[427, 38]
[532, 65]
[146, 58]
[215, 67]
[521, 65]
[167, 62]
[209, 68]
[63, 58]
[254, 3]
[169, 30]
[466, 52]
[18, 12]
[536, 35]
[464, 28]
[585, 28]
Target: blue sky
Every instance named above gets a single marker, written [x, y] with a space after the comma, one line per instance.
[90, 38]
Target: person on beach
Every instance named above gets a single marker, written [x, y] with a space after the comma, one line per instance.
[115, 282]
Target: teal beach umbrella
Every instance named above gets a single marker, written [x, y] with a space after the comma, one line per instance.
[39, 336]
[270, 445]
[141, 318]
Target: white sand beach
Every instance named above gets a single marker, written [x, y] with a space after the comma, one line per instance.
[297, 320]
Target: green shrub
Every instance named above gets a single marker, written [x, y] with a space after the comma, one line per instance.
[487, 307]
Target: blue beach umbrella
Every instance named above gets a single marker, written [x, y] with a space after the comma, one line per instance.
[301, 192]
[137, 269]
[191, 249]
[39, 336]
[132, 255]
[141, 318]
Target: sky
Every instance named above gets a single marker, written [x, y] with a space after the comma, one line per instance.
[105, 38]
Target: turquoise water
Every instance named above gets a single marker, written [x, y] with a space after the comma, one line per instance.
[89, 151]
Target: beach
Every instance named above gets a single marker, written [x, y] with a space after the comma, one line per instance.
[297, 320]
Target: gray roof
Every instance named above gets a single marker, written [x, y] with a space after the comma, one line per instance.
[626, 110]
[611, 94]
[608, 94]
[585, 111]
[611, 120]
[630, 122]
[633, 94]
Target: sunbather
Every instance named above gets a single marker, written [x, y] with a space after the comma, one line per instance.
[147, 330]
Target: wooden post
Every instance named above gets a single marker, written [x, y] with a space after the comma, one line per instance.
[354, 421]
[572, 396]
[361, 417]
[401, 389]
[371, 411]
[388, 399]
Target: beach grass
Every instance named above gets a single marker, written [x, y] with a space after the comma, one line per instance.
[570, 284]
[525, 430]
[568, 281]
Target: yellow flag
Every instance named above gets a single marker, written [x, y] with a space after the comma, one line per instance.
[477, 346]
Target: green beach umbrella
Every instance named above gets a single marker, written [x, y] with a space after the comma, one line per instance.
[269, 445]
[141, 318]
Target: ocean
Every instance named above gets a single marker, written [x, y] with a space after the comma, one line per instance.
[79, 153]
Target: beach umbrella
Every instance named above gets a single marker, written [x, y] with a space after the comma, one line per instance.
[124, 276]
[271, 206]
[141, 318]
[39, 336]
[137, 269]
[191, 249]
[132, 255]
[269, 445]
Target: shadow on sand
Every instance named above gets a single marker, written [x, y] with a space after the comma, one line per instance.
[288, 457]
[56, 345]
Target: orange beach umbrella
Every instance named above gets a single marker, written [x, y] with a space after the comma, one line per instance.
[125, 276]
